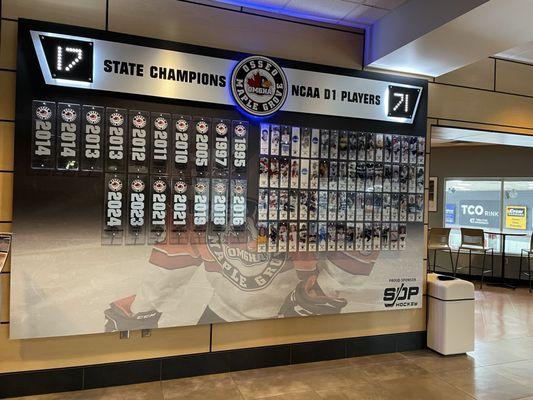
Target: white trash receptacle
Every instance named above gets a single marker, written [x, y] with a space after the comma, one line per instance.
[450, 314]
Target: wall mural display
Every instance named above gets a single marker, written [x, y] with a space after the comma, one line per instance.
[154, 214]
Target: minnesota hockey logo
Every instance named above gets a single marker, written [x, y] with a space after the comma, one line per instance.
[161, 123]
[137, 185]
[93, 117]
[139, 121]
[43, 113]
[202, 127]
[221, 129]
[115, 184]
[116, 119]
[68, 115]
[159, 186]
[259, 86]
[180, 187]
[182, 125]
[240, 130]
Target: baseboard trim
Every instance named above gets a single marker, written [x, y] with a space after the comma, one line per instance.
[124, 373]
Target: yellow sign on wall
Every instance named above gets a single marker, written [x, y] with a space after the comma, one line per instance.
[516, 217]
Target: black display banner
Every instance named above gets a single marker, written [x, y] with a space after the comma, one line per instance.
[182, 135]
[180, 210]
[158, 209]
[159, 146]
[201, 144]
[137, 204]
[238, 205]
[92, 140]
[139, 131]
[219, 204]
[239, 146]
[43, 150]
[114, 209]
[201, 204]
[116, 144]
[221, 147]
[68, 136]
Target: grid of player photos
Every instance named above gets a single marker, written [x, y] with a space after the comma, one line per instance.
[337, 190]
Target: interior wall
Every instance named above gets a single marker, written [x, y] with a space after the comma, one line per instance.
[197, 24]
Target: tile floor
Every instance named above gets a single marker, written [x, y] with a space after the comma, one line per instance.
[500, 368]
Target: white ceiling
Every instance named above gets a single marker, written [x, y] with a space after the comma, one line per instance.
[444, 136]
[522, 53]
[355, 13]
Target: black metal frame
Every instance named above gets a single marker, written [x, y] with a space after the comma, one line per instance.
[482, 267]
[528, 273]
[449, 249]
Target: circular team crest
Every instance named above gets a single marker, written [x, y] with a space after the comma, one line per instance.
[202, 127]
[220, 188]
[116, 119]
[161, 123]
[180, 187]
[238, 189]
[92, 117]
[159, 186]
[240, 130]
[259, 86]
[139, 121]
[137, 185]
[221, 129]
[43, 113]
[115, 185]
[182, 125]
[68, 114]
[199, 188]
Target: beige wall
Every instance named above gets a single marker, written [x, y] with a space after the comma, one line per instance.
[174, 20]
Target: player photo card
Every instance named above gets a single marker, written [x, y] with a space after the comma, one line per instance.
[284, 205]
[332, 206]
[421, 151]
[239, 147]
[200, 204]
[420, 179]
[403, 207]
[304, 173]
[262, 205]
[273, 173]
[393, 236]
[413, 149]
[343, 145]
[302, 237]
[387, 148]
[402, 236]
[419, 214]
[385, 236]
[378, 157]
[378, 177]
[160, 134]
[387, 177]
[262, 237]
[333, 175]
[220, 155]
[395, 207]
[405, 149]
[411, 207]
[386, 207]
[313, 205]
[370, 146]
[341, 206]
[303, 203]
[312, 238]
[359, 236]
[404, 178]
[350, 206]
[201, 144]
[368, 234]
[293, 201]
[92, 138]
[181, 146]
[352, 176]
[378, 206]
[323, 174]
[323, 205]
[295, 145]
[283, 237]
[273, 237]
[273, 205]
[313, 174]
[350, 236]
[137, 205]
[412, 179]
[295, 173]
[315, 143]
[159, 199]
[68, 136]
[116, 139]
[284, 173]
[352, 145]
[376, 236]
[322, 236]
[395, 178]
[180, 210]
[324, 144]
[341, 236]
[359, 206]
[263, 172]
[361, 146]
[305, 137]
[361, 176]
[219, 204]
[275, 138]
[333, 144]
[369, 206]
[332, 236]
[369, 174]
[264, 144]
[139, 129]
[115, 200]
[343, 175]
[285, 150]
[43, 135]
[293, 237]
[396, 149]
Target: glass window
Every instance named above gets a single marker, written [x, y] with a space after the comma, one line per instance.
[517, 213]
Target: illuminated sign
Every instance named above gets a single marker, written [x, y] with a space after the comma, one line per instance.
[402, 101]
[68, 58]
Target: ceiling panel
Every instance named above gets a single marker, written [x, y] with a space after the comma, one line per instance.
[364, 15]
[522, 53]
[329, 9]
[453, 136]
